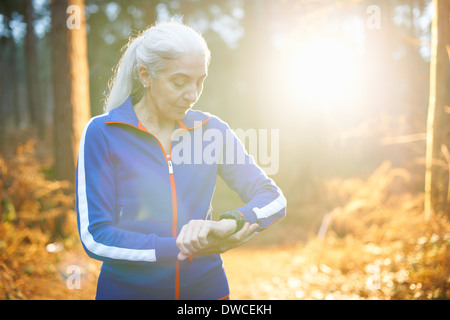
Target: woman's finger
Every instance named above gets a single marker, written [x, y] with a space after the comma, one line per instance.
[180, 241]
[182, 256]
[187, 240]
[199, 228]
[249, 235]
[245, 232]
[193, 236]
[203, 234]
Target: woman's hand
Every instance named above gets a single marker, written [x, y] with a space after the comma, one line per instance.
[193, 236]
[221, 245]
[223, 228]
[204, 237]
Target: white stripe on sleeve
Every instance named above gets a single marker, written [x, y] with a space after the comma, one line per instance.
[273, 207]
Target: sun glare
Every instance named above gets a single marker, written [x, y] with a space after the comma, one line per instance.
[321, 70]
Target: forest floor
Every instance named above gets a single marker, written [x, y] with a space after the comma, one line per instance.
[333, 267]
[375, 244]
[297, 272]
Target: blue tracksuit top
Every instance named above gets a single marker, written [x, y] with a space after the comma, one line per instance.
[133, 198]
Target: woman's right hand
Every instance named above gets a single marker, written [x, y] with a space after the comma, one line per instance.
[198, 234]
[194, 236]
[204, 237]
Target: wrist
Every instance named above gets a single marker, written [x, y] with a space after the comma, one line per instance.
[229, 224]
[236, 216]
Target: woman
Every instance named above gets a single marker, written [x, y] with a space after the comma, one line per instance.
[144, 209]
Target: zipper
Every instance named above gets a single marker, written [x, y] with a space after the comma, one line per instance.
[169, 163]
[174, 219]
[168, 158]
[174, 215]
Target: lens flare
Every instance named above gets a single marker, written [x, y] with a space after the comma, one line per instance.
[321, 70]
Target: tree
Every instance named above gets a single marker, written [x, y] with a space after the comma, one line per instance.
[70, 83]
[106, 39]
[437, 124]
[9, 79]
[32, 70]
[255, 47]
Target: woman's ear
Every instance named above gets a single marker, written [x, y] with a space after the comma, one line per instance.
[144, 76]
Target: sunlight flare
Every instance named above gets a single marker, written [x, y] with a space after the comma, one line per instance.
[321, 70]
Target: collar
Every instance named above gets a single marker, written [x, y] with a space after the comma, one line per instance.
[125, 114]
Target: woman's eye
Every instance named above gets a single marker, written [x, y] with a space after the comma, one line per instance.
[179, 84]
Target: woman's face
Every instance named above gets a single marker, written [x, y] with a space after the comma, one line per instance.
[178, 86]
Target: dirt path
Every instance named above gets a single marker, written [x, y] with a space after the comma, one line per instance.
[253, 274]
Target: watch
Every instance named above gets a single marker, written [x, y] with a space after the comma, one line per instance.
[235, 215]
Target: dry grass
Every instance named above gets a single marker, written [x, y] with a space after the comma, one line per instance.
[378, 245]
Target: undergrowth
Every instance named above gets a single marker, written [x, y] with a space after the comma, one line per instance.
[380, 234]
[35, 211]
[375, 244]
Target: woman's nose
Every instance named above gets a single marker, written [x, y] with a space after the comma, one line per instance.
[191, 95]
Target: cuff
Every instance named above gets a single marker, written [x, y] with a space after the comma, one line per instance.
[248, 214]
[166, 249]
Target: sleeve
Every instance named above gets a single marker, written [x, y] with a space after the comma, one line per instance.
[264, 200]
[95, 196]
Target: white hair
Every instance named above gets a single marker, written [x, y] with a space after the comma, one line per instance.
[152, 48]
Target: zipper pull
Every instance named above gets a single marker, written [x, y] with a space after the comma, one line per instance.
[169, 162]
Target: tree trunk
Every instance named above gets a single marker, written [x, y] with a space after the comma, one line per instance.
[3, 101]
[14, 79]
[32, 71]
[255, 45]
[70, 83]
[437, 130]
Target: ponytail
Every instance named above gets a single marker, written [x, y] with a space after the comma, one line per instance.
[126, 79]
